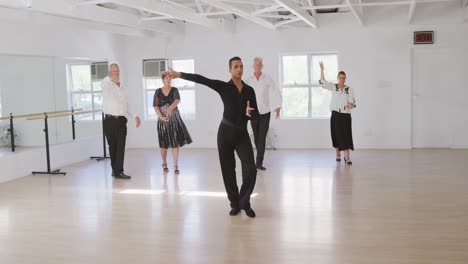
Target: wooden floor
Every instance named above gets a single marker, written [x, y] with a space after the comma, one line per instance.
[392, 206]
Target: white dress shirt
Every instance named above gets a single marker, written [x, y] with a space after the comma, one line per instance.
[114, 99]
[265, 89]
[340, 97]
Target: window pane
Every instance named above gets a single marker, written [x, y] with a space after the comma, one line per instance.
[97, 105]
[153, 84]
[83, 101]
[295, 70]
[150, 114]
[296, 102]
[97, 86]
[320, 102]
[81, 77]
[187, 104]
[331, 67]
[183, 66]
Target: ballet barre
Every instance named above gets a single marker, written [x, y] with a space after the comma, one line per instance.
[46, 117]
[11, 117]
[99, 158]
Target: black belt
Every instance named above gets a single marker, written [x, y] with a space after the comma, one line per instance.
[113, 116]
[229, 123]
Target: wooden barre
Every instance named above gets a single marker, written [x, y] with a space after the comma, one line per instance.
[36, 114]
[42, 116]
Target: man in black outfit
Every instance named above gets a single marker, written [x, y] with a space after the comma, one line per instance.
[240, 105]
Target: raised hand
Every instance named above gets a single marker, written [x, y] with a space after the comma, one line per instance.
[248, 110]
[171, 73]
[321, 66]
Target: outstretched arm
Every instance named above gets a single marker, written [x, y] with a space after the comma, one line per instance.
[213, 84]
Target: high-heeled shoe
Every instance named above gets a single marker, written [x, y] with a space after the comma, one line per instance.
[338, 158]
[348, 161]
[176, 170]
[165, 169]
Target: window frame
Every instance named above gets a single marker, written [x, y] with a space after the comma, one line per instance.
[311, 84]
[92, 92]
[187, 88]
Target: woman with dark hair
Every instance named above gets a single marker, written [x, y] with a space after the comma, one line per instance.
[342, 102]
[172, 132]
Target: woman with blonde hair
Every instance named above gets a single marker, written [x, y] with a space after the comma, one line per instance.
[342, 102]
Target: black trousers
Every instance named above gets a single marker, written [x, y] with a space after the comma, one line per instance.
[260, 128]
[232, 139]
[115, 130]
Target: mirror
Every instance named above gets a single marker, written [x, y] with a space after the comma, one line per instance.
[38, 84]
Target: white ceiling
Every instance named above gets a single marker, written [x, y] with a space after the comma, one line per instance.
[165, 16]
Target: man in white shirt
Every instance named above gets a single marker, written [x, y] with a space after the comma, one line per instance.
[265, 89]
[116, 111]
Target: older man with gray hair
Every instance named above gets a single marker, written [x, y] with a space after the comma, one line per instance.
[268, 98]
[116, 110]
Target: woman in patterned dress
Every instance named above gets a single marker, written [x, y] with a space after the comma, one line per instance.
[172, 132]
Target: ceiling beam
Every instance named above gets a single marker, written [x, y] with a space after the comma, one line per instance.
[165, 9]
[11, 14]
[250, 2]
[277, 16]
[95, 14]
[154, 18]
[285, 22]
[312, 3]
[91, 2]
[412, 7]
[220, 13]
[296, 9]
[369, 4]
[355, 13]
[265, 10]
[239, 12]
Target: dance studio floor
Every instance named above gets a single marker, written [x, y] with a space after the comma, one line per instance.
[391, 206]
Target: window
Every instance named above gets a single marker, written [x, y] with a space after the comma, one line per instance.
[302, 95]
[84, 84]
[152, 81]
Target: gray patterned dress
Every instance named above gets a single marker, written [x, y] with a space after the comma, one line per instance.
[171, 134]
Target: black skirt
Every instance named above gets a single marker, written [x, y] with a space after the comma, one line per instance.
[173, 134]
[341, 133]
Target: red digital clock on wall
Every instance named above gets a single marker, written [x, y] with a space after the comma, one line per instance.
[424, 37]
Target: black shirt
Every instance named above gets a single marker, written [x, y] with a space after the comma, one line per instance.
[235, 102]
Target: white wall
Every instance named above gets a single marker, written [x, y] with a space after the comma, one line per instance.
[23, 162]
[377, 59]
